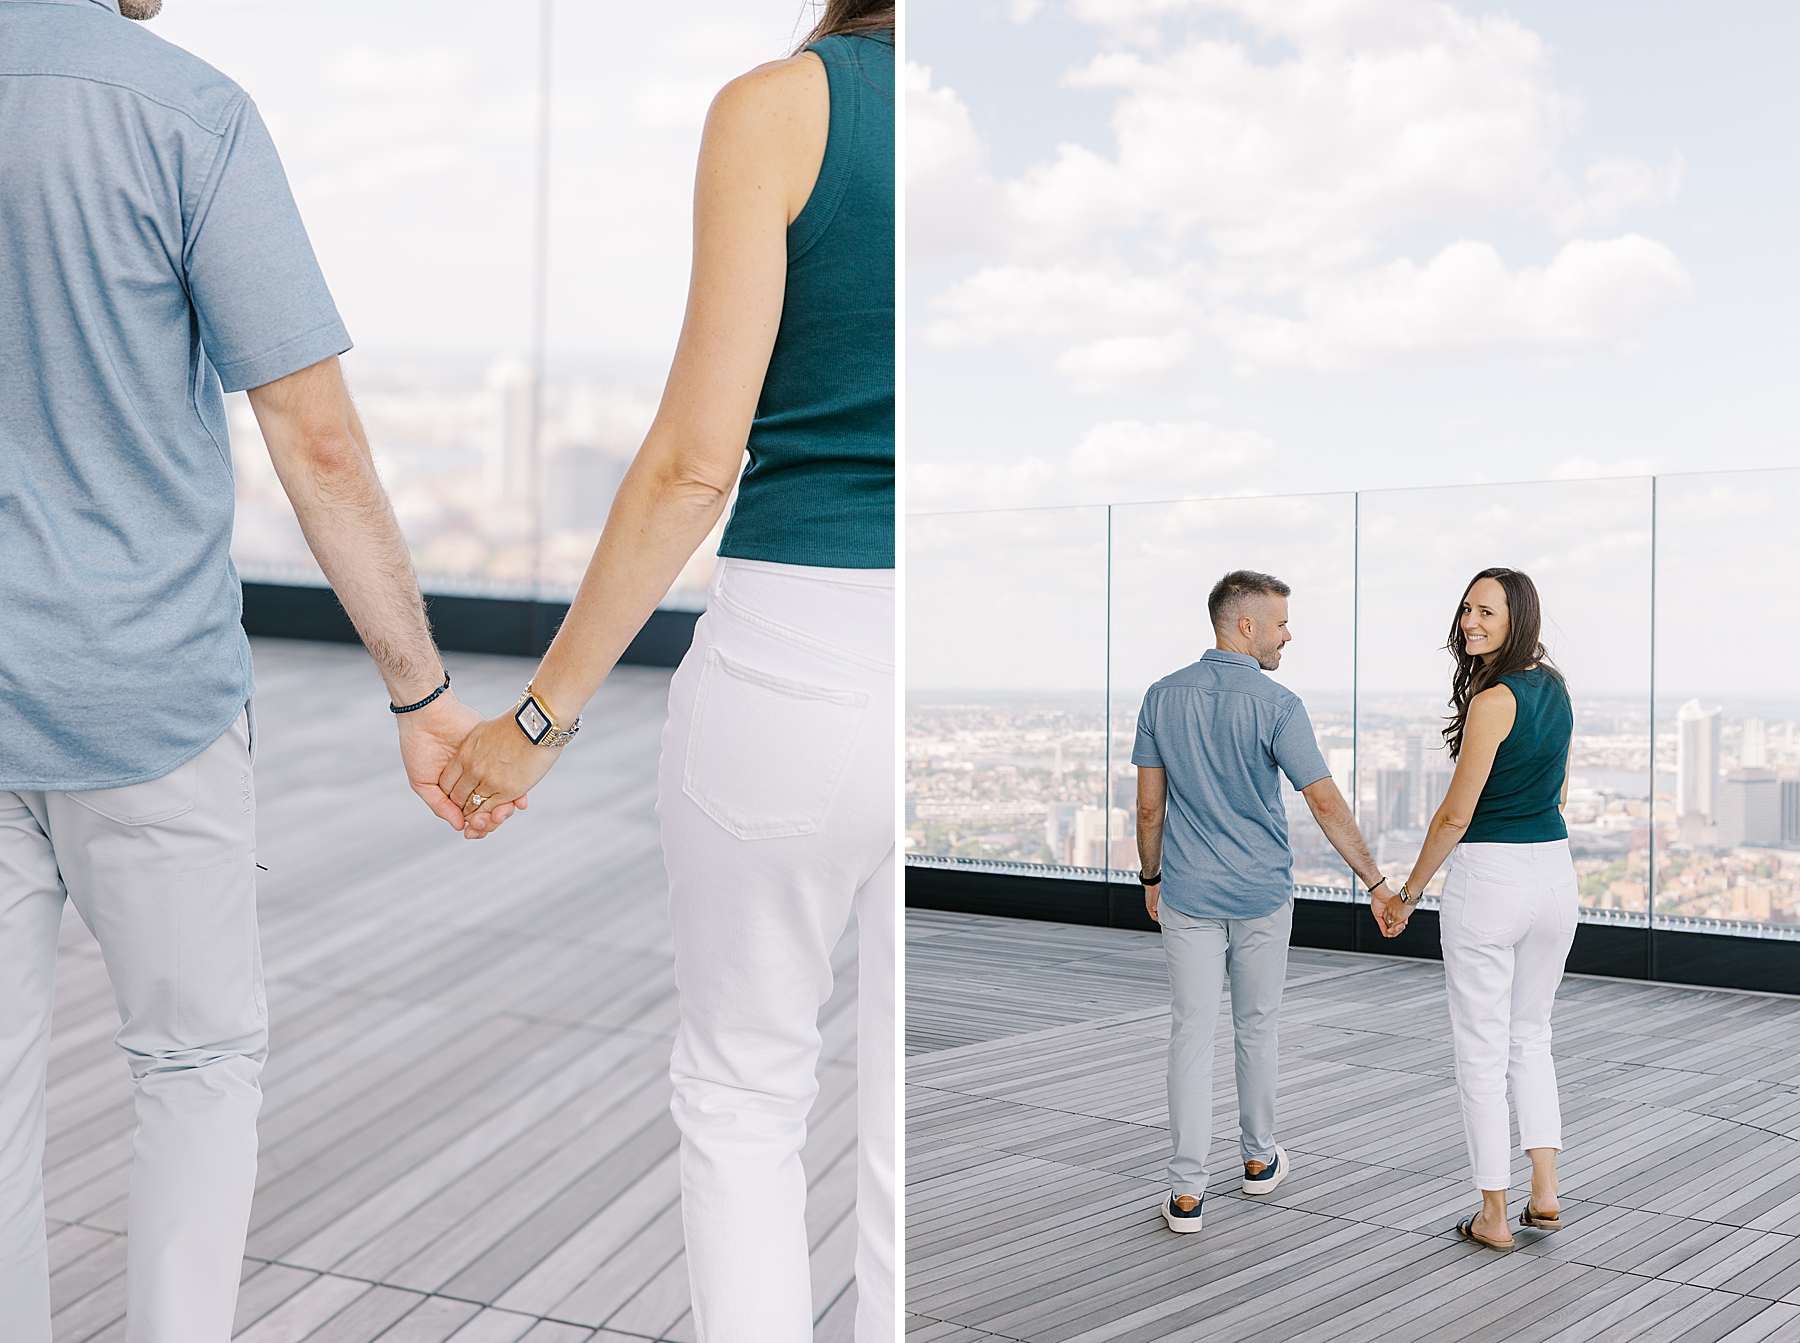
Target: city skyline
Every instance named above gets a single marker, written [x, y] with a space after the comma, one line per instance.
[1039, 780]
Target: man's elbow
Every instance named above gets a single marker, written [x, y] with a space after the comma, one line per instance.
[327, 461]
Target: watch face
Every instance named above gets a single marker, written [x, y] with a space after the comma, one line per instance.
[532, 720]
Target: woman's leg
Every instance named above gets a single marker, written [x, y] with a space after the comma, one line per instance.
[875, 1059]
[776, 803]
[1478, 926]
[1541, 955]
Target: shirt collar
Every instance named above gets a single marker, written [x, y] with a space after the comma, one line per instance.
[1238, 659]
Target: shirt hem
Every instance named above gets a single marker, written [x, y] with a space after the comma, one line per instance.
[82, 786]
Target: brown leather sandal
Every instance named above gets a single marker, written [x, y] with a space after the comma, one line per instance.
[1466, 1229]
[1538, 1220]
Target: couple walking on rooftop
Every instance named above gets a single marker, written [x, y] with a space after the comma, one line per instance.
[1212, 742]
[151, 259]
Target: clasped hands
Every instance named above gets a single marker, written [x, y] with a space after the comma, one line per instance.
[454, 758]
[1391, 913]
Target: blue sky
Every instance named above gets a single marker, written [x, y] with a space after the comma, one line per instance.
[1168, 248]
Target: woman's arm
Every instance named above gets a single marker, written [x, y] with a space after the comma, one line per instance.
[1491, 715]
[759, 158]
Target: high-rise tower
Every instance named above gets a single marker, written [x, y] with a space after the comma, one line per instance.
[1696, 765]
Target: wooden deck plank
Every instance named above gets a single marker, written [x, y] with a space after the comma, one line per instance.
[469, 1045]
[1036, 1142]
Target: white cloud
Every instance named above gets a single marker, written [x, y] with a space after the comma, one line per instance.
[1259, 201]
[1465, 298]
[1053, 303]
[1119, 461]
[952, 200]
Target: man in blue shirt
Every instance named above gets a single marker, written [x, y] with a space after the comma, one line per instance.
[1213, 740]
[151, 258]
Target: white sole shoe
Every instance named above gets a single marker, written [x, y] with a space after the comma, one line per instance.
[1267, 1184]
[1175, 1220]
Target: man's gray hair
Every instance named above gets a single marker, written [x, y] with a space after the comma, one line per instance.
[1224, 604]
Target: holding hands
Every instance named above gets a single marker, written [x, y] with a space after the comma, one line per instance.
[1391, 912]
[496, 761]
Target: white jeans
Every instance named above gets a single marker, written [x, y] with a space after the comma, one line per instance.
[1508, 920]
[164, 875]
[777, 803]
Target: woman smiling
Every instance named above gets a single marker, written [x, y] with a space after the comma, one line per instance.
[1510, 893]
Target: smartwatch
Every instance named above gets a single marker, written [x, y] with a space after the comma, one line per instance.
[537, 723]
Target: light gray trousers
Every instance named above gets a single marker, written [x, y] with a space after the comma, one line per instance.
[164, 874]
[1201, 953]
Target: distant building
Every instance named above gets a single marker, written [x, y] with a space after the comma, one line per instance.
[1093, 828]
[1341, 760]
[1059, 827]
[1790, 813]
[579, 484]
[1437, 784]
[1415, 776]
[1391, 796]
[1754, 753]
[512, 467]
[1696, 768]
[1750, 809]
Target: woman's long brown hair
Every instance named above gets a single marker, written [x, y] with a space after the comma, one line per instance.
[851, 18]
[1523, 648]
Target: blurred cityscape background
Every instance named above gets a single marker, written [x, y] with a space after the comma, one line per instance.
[499, 196]
[1032, 635]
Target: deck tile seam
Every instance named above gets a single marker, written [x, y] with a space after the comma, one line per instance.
[974, 1143]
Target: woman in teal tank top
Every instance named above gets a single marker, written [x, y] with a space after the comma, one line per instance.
[1509, 900]
[776, 791]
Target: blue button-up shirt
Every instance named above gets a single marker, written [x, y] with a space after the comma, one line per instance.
[151, 256]
[1221, 729]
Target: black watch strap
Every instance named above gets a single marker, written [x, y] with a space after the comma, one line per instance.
[1150, 879]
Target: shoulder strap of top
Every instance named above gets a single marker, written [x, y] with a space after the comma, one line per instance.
[838, 54]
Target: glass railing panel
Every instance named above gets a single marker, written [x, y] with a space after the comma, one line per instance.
[1165, 559]
[1586, 545]
[625, 138]
[1006, 686]
[408, 141]
[1728, 703]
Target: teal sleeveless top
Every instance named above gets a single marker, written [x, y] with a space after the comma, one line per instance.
[1519, 805]
[819, 489]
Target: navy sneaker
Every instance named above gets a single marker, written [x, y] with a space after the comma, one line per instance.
[1179, 1220]
[1265, 1180]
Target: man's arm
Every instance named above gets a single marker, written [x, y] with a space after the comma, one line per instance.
[1333, 814]
[322, 457]
[1152, 809]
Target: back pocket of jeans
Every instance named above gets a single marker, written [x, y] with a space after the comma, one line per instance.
[765, 752]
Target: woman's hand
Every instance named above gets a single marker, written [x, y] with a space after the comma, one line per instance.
[497, 765]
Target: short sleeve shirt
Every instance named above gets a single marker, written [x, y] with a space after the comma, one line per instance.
[1225, 733]
[151, 258]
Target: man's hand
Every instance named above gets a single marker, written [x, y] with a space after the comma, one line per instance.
[1386, 907]
[1153, 898]
[429, 739]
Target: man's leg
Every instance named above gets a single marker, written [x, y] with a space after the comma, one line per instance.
[1257, 961]
[164, 875]
[1196, 952]
[31, 904]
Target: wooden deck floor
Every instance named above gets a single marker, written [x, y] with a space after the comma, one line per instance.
[1037, 1136]
[466, 1130]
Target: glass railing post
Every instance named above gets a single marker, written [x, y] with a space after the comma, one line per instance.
[1650, 874]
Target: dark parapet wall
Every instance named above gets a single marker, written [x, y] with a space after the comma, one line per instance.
[1613, 949]
[461, 624]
